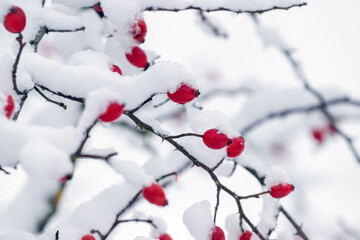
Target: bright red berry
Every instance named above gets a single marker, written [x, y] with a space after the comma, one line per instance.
[137, 57]
[116, 69]
[215, 139]
[98, 9]
[15, 20]
[165, 236]
[236, 147]
[246, 235]
[113, 112]
[183, 94]
[281, 190]
[139, 30]
[88, 237]
[217, 234]
[7, 103]
[154, 194]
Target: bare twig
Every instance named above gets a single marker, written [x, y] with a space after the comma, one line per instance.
[106, 158]
[3, 170]
[214, 29]
[60, 104]
[73, 98]
[223, 9]
[16, 63]
[297, 110]
[185, 135]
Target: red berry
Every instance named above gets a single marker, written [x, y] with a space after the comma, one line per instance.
[8, 104]
[165, 236]
[88, 237]
[137, 57]
[236, 147]
[98, 8]
[318, 135]
[215, 139]
[15, 20]
[154, 194]
[66, 178]
[139, 30]
[245, 236]
[281, 190]
[183, 94]
[115, 68]
[113, 112]
[217, 234]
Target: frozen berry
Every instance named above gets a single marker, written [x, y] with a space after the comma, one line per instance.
[246, 235]
[66, 178]
[183, 94]
[165, 236]
[236, 147]
[113, 112]
[7, 104]
[116, 69]
[217, 234]
[281, 190]
[15, 20]
[154, 194]
[139, 30]
[215, 139]
[88, 237]
[137, 57]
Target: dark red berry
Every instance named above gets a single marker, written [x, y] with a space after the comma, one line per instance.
[154, 194]
[246, 235]
[318, 135]
[281, 190]
[66, 178]
[98, 9]
[165, 236]
[88, 237]
[217, 234]
[183, 94]
[15, 20]
[116, 69]
[215, 139]
[113, 112]
[137, 57]
[236, 147]
[139, 30]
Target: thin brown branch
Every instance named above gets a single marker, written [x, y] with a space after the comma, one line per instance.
[152, 9]
[60, 104]
[3, 170]
[73, 98]
[15, 66]
[82, 144]
[256, 195]
[21, 104]
[185, 135]
[143, 103]
[218, 190]
[213, 28]
[298, 110]
[218, 164]
[93, 156]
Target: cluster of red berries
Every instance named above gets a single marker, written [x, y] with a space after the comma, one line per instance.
[15, 20]
[137, 57]
[320, 133]
[7, 104]
[215, 139]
